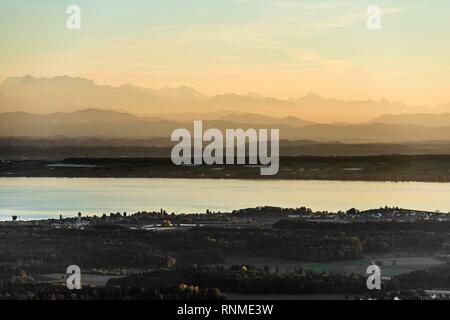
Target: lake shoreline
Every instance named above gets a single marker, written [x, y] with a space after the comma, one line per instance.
[389, 168]
[263, 178]
[52, 197]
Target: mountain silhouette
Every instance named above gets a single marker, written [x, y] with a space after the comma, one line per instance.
[111, 124]
[68, 94]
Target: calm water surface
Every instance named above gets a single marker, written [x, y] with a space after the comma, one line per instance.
[32, 198]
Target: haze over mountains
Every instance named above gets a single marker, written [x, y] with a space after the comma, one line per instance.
[418, 119]
[76, 107]
[67, 94]
[110, 124]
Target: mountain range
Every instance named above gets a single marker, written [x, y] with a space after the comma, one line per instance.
[78, 107]
[111, 124]
[418, 119]
[69, 94]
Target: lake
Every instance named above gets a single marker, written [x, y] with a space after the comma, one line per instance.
[35, 198]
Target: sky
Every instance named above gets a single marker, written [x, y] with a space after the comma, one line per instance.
[279, 48]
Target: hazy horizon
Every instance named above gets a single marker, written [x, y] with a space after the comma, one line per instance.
[249, 92]
[280, 48]
[46, 95]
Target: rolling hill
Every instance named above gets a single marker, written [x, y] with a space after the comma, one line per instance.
[110, 124]
[418, 119]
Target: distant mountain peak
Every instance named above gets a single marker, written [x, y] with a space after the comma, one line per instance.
[65, 93]
[30, 80]
[312, 96]
[94, 110]
[180, 92]
[11, 81]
